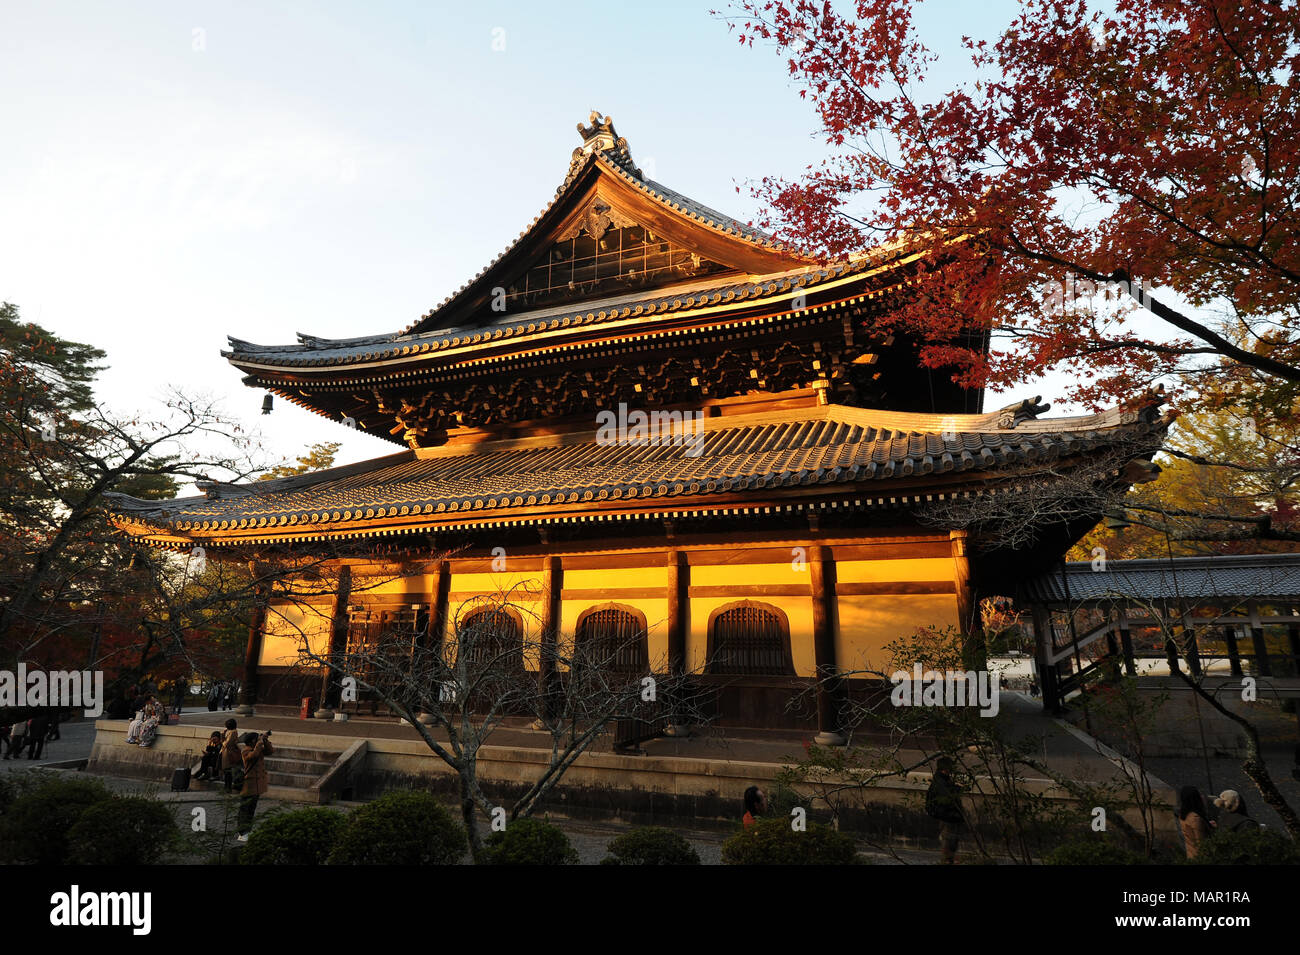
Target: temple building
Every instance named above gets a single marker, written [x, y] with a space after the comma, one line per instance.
[672, 424]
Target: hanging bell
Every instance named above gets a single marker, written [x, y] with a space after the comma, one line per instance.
[267, 403]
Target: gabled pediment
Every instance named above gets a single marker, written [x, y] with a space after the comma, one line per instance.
[601, 252]
[609, 231]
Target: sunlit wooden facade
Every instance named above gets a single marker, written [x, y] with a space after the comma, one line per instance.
[767, 531]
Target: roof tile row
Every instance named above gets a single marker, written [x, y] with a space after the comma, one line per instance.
[813, 447]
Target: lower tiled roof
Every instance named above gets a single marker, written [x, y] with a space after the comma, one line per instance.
[1182, 578]
[831, 447]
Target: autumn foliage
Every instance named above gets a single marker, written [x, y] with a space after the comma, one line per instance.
[1154, 147]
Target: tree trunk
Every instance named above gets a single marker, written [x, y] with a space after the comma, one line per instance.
[469, 815]
[1253, 765]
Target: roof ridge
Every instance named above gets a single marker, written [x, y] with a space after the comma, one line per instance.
[1208, 560]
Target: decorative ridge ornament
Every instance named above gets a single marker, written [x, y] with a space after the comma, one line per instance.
[1027, 410]
[600, 137]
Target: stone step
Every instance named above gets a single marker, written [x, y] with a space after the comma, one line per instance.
[326, 756]
[278, 764]
[292, 794]
[292, 780]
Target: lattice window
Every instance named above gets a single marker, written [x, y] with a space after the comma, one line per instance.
[614, 636]
[492, 634]
[389, 633]
[749, 639]
[620, 259]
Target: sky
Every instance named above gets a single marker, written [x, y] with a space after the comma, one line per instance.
[172, 173]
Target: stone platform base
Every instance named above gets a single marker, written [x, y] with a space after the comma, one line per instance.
[658, 789]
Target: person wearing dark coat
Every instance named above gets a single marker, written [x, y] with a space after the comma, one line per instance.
[1233, 815]
[118, 709]
[210, 768]
[943, 802]
[36, 730]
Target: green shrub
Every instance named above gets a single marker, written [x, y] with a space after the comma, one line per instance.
[650, 845]
[781, 798]
[773, 842]
[529, 842]
[301, 837]
[1096, 850]
[400, 828]
[127, 830]
[1248, 847]
[35, 828]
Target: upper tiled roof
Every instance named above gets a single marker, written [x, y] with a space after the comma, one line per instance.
[602, 153]
[332, 353]
[1191, 578]
[617, 160]
[832, 447]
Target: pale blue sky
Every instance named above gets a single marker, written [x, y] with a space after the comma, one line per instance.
[340, 168]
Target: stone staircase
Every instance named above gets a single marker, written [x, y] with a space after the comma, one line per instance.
[293, 771]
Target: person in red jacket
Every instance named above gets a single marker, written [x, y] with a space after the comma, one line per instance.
[755, 806]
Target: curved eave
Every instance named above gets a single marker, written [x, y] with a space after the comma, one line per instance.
[797, 494]
[613, 325]
[701, 508]
[288, 381]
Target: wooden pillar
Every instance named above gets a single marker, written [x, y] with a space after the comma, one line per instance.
[968, 621]
[253, 650]
[1113, 657]
[1293, 640]
[821, 564]
[1171, 655]
[438, 612]
[552, 590]
[1042, 652]
[433, 635]
[679, 589]
[1262, 667]
[1193, 652]
[1234, 653]
[1171, 645]
[679, 583]
[1126, 645]
[331, 681]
